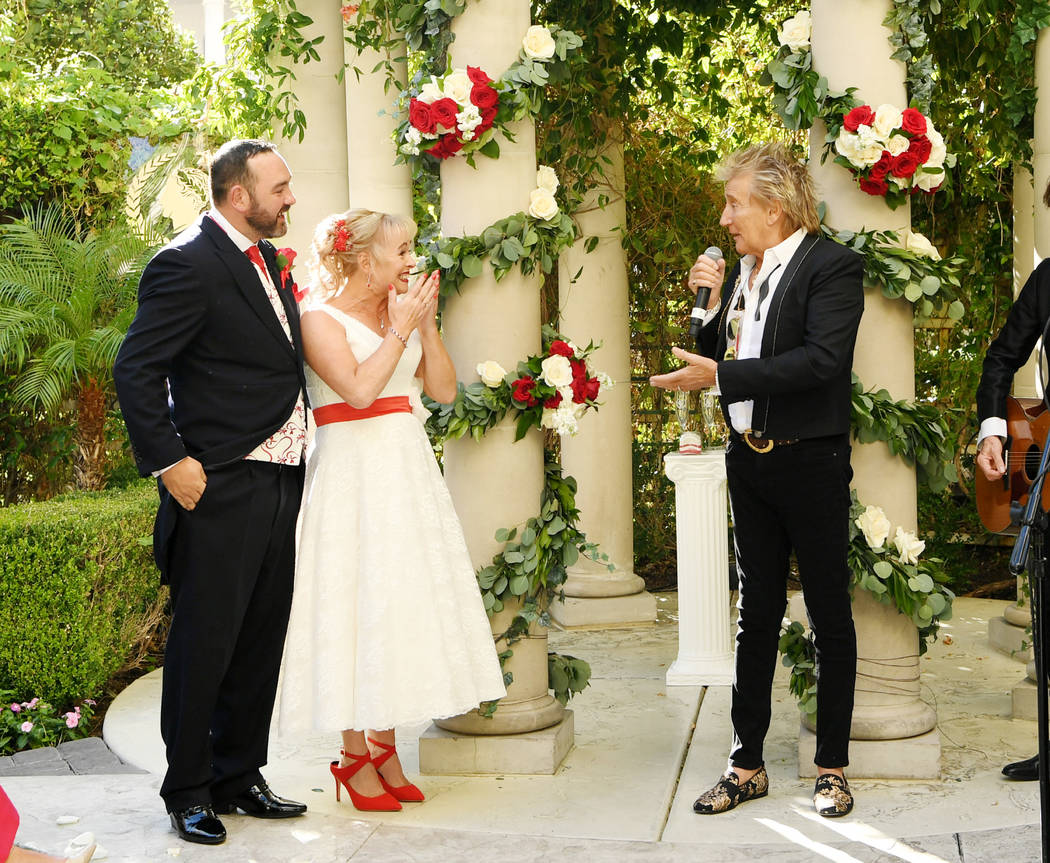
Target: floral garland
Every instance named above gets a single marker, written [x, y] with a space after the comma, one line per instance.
[460, 112]
[894, 574]
[892, 153]
[916, 433]
[914, 271]
[551, 391]
[526, 240]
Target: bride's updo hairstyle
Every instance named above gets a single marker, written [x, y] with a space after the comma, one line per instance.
[342, 237]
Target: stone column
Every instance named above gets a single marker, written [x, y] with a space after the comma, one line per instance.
[495, 482]
[705, 647]
[318, 162]
[884, 357]
[594, 308]
[376, 183]
[214, 18]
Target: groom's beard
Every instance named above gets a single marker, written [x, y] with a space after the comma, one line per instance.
[266, 224]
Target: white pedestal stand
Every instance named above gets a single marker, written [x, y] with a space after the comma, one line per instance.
[705, 655]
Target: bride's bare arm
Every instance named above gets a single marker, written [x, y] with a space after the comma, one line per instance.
[328, 353]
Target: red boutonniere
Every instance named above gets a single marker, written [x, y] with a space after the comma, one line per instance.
[285, 259]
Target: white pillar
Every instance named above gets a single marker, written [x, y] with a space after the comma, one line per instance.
[376, 183]
[318, 162]
[705, 651]
[884, 355]
[495, 482]
[594, 308]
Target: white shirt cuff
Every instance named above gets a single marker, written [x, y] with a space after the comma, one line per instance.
[992, 426]
[157, 473]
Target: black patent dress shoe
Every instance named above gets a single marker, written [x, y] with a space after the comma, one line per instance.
[1023, 771]
[260, 802]
[198, 824]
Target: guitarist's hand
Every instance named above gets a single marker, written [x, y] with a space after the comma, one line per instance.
[990, 458]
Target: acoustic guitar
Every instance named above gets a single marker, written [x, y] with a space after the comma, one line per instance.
[1027, 424]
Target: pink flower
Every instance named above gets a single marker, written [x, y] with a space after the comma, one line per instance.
[72, 719]
[15, 707]
[32, 704]
[27, 726]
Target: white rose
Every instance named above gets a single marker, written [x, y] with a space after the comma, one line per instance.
[542, 205]
[909, 546]
[556, 371]
[921, 246]
[457, 87]
[538, 43]
[927, 181]
[468, 119]
[874, 525]
[491, 373]
[430, 92]
[938, 152]
[861, 150]
[887, 119]
[547, 179]
[897, 144]
[796, 31]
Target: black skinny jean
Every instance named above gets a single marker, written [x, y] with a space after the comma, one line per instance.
[795, 497]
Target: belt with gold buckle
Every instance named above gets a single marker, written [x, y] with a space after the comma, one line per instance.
[762, 444]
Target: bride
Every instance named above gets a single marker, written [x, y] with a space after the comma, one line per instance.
[387, 625]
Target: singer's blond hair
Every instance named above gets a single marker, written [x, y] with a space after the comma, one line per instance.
[776, 176]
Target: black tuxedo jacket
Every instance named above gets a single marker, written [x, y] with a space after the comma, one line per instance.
[1012, 347]
[206, 333]
[801, 383]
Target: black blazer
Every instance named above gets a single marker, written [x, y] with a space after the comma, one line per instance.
[801, 383]
[206, 331]
[1012, 347]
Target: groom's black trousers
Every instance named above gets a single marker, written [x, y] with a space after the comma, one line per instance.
[231, 571]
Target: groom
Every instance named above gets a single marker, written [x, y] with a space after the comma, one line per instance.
[210, 382]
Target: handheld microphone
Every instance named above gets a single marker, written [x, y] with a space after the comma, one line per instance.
[696, 316]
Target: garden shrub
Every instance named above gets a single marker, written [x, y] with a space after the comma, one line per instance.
[78, 590]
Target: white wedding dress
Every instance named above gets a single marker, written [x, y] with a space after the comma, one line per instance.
[387, 626]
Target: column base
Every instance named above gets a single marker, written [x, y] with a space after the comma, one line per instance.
[447, 753]
[1009, 639]
[908, 758]
[705, 671]
[1023, 700]
[603, 612]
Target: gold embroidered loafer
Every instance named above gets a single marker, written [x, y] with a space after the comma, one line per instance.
[832, 797]
[729, 792]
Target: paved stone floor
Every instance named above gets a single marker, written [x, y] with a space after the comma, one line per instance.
[642, 752]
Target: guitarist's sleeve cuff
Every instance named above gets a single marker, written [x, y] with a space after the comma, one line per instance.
[992, 426]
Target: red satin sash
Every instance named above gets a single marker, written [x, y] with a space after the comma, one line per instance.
[341, 412]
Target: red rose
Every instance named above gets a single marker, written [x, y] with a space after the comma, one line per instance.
[553, 401]
[874, 187]
[913, 122]
[447, 145]
[579, 370]
[488, 117]
[921, 146]
[905, 164]
[592, 387]
[561, 349]
[477, 75]
[421, 116]
[522, 391]
[882, 167]
[484, 96]
[444, 113]
[579, 390]
[861, 115]
[285, 258]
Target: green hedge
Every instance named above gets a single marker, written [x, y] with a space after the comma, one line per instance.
[78, 590]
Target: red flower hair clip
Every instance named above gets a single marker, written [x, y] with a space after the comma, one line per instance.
[341, 236]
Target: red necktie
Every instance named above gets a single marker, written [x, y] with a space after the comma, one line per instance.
[256, 257]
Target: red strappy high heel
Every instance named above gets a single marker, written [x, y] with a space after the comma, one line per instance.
[384, 802]
[405, 793]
